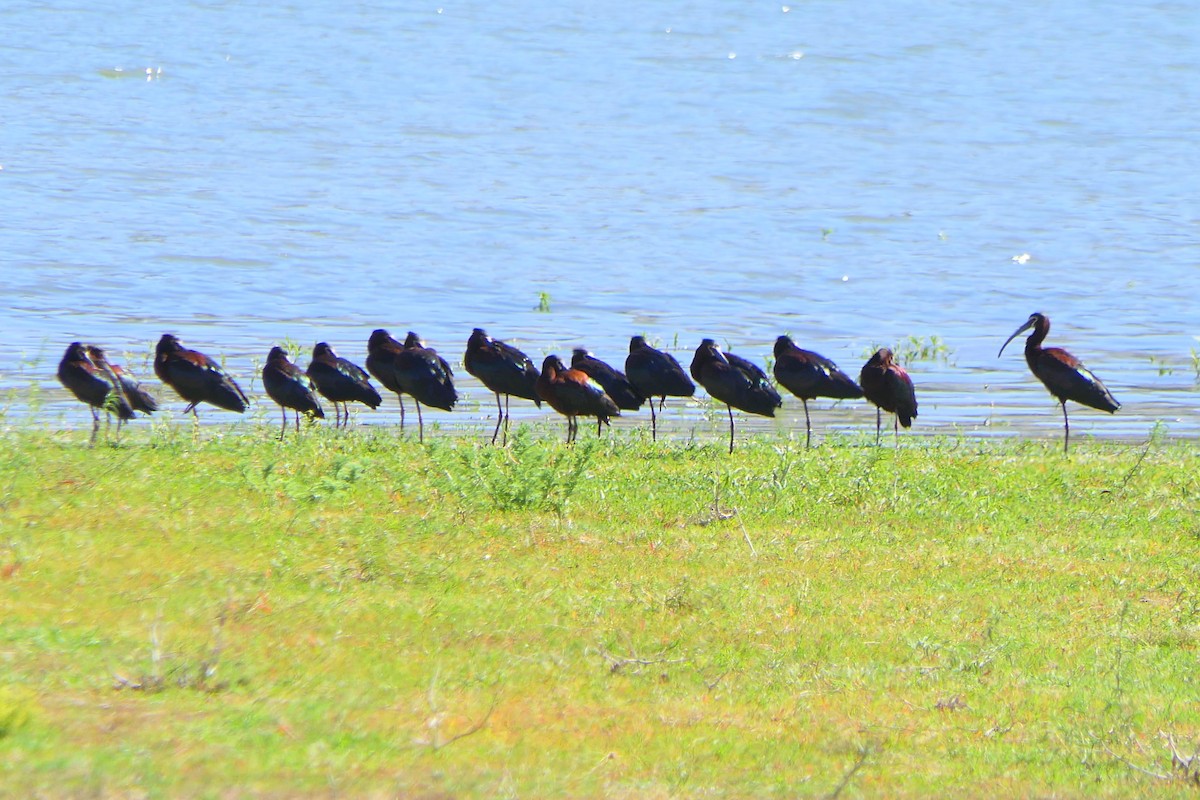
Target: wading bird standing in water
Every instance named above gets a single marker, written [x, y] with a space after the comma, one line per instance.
[288, 386]
[196, 377]
[341, 381]
[809, 375]
[139, 399]
[654, 373]
[381, 362]
[888, 386]
[614, 382]
[1062, 373]
[504, 370]
[91, 384]
[421, 372]
[572, 393]
[734, 381]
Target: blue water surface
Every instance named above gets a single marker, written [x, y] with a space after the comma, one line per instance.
[247, 173]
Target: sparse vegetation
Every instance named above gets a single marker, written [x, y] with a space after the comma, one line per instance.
[915, 349]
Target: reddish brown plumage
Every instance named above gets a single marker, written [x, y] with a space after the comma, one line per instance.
[887, 385]
[573, 394]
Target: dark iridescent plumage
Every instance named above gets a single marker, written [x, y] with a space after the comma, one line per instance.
[1062, 373]
[139, 399]
[195, 377]
[93, 385]
[614, 382]
[381, 362]
[425, 375]
[734, 381]
[288, 386]
[810, 375]
[341, 381]
[654, 373]
[502, 368]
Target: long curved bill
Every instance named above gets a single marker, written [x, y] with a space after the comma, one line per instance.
[1029, 323]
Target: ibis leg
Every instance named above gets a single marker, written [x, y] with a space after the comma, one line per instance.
[95, 427]
[1066, 428]
[283, 429]
[807, 424]
[499, 418]
[730, 408]
[420, 424]
[653, 423]
[896, 429]
[507, 417]
[401, 399]
[878, 423]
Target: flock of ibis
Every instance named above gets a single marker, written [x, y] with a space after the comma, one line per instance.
[588, 387]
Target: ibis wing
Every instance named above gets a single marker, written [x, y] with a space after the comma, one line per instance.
[808, 375]
[1068, 379]
[198, 378]
[654, 373]
[900, 390]
[586, 397]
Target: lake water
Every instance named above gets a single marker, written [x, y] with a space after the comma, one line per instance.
[244, 173]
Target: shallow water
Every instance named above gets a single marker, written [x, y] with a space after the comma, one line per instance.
[854, 174]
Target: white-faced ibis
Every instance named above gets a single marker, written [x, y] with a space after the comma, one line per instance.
[341, 381]
[92, 385]
[654, 373]
[1062, 373]
[504, 369]
[421, 372]
[196, 377]
[381, 362]
[140, 399]
[734, 381]
[288, 386]
[810, 375]
[888, 386]
[572, 393]
[611, 380]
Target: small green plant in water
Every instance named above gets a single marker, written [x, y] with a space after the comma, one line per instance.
[918, 348]
[1164, 369]
[528, 474]
[543, 302]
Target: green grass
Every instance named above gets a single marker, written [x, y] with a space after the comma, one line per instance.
[357, 615]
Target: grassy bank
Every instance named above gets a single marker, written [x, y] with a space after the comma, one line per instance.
[356, 615]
